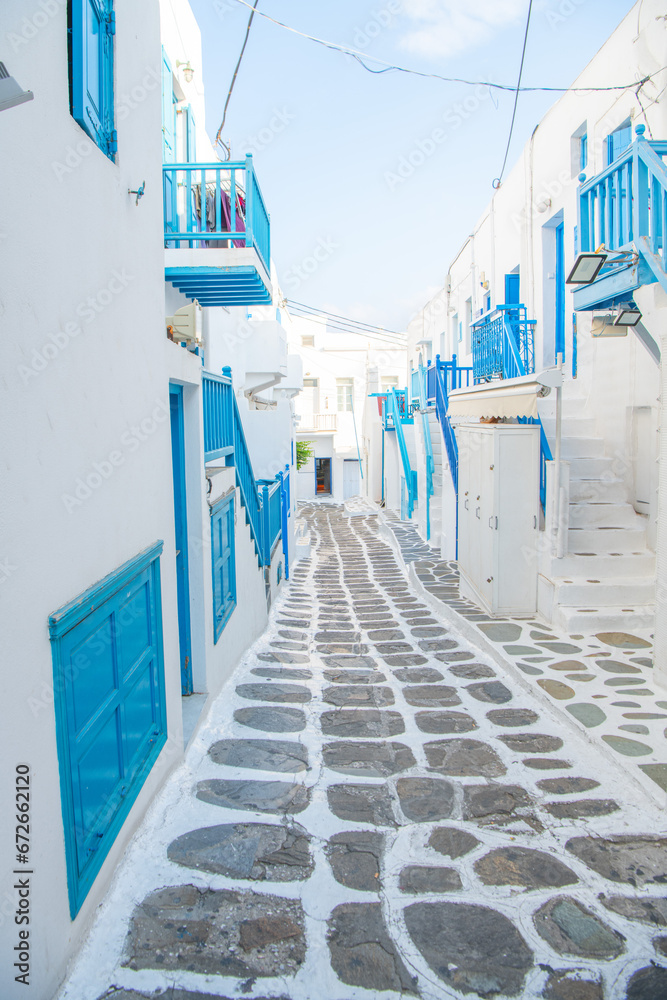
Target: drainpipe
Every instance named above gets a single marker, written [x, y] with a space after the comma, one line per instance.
[559, 499]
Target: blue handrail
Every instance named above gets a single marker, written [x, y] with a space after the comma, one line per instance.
[503, 344]
[442, 390]
[627, 203]
[215, 205]
[393, 413]
[428, 445]
[285, 514]
[217, 399]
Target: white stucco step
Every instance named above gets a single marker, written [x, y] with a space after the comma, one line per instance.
[598, 490]
[604, 593]
[607, 515]
[616, 619]
[572, 427]
[598, 567]
[606, 540]
[591, 468]
[582, 447]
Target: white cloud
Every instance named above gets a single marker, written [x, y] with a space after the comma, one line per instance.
[442, 28]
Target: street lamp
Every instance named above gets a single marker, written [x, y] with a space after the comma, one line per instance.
[10, 92]
[586, 268]
[628, 316]
[188, 71]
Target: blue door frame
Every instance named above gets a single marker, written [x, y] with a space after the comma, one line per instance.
[181, 525]
[560, 291]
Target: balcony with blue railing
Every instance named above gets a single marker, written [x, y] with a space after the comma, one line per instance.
[503, 344]
[217, 233]
[623, 209]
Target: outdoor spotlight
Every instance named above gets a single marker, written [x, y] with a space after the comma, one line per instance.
[188, 71]
[586, 268]
[10, 92]
[628, 316]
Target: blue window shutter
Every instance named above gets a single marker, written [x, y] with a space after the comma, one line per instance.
[93, 28]
[223, 563]
[583, 151]
[190, 138]
[110, 709]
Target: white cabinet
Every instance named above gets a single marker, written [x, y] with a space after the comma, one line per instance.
[499, 505]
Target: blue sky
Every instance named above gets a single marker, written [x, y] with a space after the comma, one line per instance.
[332, 142]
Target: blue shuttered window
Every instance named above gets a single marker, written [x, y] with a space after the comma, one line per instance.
[92, 28]
[223, 563]
[110, 711]
[619, 140]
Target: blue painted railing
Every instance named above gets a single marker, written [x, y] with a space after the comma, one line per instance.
[545, 456]
[443, 386]
[224, 438]
[394, 407]
[218, 403]
[428, 444]
[403, 409]
[503, 344]
[627, 203]
[285, 513]
[215, 205]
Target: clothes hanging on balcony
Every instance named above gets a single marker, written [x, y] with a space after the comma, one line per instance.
[210, 225]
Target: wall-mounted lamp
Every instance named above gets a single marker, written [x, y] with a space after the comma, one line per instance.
[628, 316]
[188, 71]
[10, 92]
[586, 268]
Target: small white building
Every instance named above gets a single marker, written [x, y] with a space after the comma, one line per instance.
[148, 509]
[335, 417]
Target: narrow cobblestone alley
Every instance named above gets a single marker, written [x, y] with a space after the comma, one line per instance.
[373, 809]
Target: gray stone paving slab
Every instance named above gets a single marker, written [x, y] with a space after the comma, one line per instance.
[256, 851]
[261, 755]
[525, 867]
[431, 695]
[355, 859]
[464, 758]
[421, 879]
[572, 929]
[426, 799]
[358, 695]
[362, 804]
[638, 861]
[260, 796]
[370, 760]
[453, 842]
[274, 692]
[473, 949]
[362, 723]
[445, 722]
[219, 932]
[362, 952]
[272, 720]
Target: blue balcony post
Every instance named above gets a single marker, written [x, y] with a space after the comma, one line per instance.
[266, 527]
[249, 200]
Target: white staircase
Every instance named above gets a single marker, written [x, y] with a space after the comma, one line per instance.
[436, 499]
[606, 581]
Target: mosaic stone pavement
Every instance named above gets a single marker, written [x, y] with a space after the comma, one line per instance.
[373, 810]
[603, 681]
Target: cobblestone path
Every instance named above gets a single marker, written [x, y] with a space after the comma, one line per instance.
[373, 810]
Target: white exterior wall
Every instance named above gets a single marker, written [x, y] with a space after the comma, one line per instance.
[72, 395]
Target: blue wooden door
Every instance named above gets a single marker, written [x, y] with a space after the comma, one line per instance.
[560, 290]
[512, 289]
[181, 524]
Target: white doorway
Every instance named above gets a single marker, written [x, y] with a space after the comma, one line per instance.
[351, 478]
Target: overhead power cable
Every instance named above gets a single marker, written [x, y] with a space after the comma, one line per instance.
[361, 56]
[344, 326]
[218, 138]
[354, 322]
[497, 182]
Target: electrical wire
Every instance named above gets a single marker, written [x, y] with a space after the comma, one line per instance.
[353, 322]
[498, 181]
[360, 56]
[346, 328]
[218, 139]
[398, 345]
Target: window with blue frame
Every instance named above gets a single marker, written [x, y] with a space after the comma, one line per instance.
[108, 683]
[223, 563]
[92, 26]
[583, 151]
[619, 140]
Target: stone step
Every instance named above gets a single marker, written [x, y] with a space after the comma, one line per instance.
[582, 447]
[591, 468]
[572, 427]
[606, 540]
[604, 593]
[598, 491]
[604, 515]
[577, 621]
[600, 567]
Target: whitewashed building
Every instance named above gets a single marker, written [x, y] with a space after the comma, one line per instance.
[146, 515]
[334, 412]
[592, 175]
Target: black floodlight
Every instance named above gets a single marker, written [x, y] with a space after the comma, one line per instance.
[586, 268]
[628, 316]
[10, 92]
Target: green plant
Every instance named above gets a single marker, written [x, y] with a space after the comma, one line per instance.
[304, 452]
